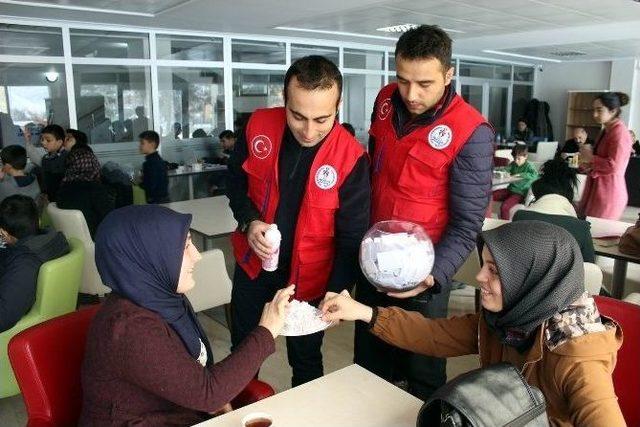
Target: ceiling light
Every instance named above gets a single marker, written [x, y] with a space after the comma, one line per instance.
[517, 55]
[51, 76]
[337, 33]
[401, 28]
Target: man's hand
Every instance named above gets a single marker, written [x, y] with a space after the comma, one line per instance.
[257, 242]
[426, 284]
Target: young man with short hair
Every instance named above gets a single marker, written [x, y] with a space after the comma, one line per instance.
[13, 179]
[432, 158]
[26, 249]
[155, 181]
[53, 163]
[296, 167]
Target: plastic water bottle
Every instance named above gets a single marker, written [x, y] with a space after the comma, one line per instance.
[273, 237]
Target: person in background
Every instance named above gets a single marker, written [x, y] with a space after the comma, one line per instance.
[141, 122]
[605, 192]
[155, 181]
[516, 191]
[26, 249]
[431, 164]
[148, 360]
[53, 163]
[75, 139]
[580, 137]
[349, 128]
[522, 132]
[199, 133]
[636, 143]
[82, 188]
[535, 315]
[297, 168]
[13, 179]
[177, 131]
[554, 192]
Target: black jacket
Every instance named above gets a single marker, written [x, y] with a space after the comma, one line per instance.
[53, 167]
[94, 199]
[154, 179]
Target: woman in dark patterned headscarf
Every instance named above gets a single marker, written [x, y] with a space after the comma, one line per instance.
[535, 315]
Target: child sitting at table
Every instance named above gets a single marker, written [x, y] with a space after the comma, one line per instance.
[154, 170]
[516, 191]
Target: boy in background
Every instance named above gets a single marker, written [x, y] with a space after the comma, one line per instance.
[155, 181]
[516, 191]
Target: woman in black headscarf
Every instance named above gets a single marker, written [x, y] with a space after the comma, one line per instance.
[148, 360]
[536, 315]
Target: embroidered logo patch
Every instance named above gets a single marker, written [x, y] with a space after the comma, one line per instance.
[261, 146]
[326, 177]
[384, 109]
[440, 137]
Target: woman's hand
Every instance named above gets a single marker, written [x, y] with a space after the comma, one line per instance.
[226, 408]
[586, 153]
[336, 307]
[275, 311]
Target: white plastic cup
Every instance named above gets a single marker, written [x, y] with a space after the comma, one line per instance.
[273, 237]
[257, 418]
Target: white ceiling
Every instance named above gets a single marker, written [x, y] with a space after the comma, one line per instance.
[601, 29]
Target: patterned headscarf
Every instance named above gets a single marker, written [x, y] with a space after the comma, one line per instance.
[82, 165]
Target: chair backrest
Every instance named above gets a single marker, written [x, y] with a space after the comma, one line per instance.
[626, 376]
[139, 195]
[491, 223]
[213, 286]
[545, 151]
[47, 359]
[592, 278]
[469, 270]
[72, 224]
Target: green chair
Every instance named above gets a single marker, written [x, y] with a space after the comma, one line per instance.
[139, 195]
[56, 294]
[45, 220]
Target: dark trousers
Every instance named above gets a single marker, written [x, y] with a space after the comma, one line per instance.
[424, 374]
[248, 298]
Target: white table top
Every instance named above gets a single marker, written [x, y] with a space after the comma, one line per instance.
[349, 397]
[499, 183]
[211, 215]
[189, 171]
[607, 227]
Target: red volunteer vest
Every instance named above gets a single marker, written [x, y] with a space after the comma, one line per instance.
[313, 244]
[410, 179]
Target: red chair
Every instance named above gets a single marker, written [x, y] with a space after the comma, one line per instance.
[626, 376]
[46, 360]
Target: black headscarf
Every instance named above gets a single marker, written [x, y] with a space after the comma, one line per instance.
[541, 271]
[139, 252]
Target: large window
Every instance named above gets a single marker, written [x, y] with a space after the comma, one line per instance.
[109, 44]
[189, 48]
[28, 40]
[363, 59]
[299, 50]
[521, 96]
[258, 52]
[254, 89]
[359, 95]
[485, 71]
[113, 102]
[31, 97]
[191, 102]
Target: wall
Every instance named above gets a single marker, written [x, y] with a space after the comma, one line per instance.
[623, 79]
[553, 82]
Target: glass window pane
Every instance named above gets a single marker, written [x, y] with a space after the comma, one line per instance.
[498, 108]
[189, 48]
[191, 101]
[521, 96]
[523, 74]
[299, 50]
[37, 41]
[365, 59]
[392, 62]
[254, 89]
[258, 52]
[31, 97]
[113, 102]
[109, 44]
[487, 71]
[359, 95]
[473, 95]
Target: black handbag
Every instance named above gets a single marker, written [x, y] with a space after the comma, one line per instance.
[488, 397]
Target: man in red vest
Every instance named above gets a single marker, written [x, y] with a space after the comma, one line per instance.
[297, 167]
[431, 158]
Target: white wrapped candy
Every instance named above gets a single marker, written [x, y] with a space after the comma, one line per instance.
[395, 256]
[303, 319]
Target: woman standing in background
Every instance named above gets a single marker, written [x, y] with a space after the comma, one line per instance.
[605, 193]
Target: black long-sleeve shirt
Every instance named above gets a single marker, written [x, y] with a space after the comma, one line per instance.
[469, 187]
[154, 179]
[352, 217]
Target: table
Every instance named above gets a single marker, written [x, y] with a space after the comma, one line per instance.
[500, 183]
[349, 397]
[212, 216]
[608, 247]
[189, 173]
